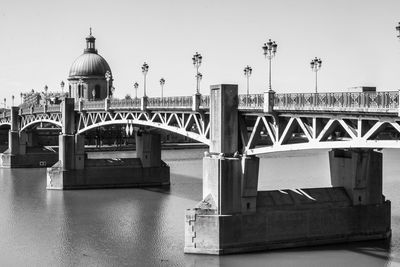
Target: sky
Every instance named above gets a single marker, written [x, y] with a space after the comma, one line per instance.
[356, 40]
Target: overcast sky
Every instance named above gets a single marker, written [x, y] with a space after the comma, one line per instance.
[356, 41]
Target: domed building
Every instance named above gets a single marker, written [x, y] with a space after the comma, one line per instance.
[87, 75]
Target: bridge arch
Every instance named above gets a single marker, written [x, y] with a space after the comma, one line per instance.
[30, 124]
[177, 130]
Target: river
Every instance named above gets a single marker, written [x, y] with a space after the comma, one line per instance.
[145, 227]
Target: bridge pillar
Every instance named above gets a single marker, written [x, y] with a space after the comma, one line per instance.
[13, 135]
[148, 149]
[359, 171]
[229, 180]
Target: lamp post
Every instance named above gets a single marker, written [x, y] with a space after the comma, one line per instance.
[112, 91]
[108, 77]
[316, 64]
[197, 58]
[145, 70]
[45, 94]
[162, 82]
[5, 102]
[12, 100]
[21, 95]
[269, 52]
[94, 94]
[247, 72]
[136, 86]
[398, 30]
[62, 84]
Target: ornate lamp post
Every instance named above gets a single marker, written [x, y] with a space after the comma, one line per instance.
[62, 84]
[21, 95]
[145, 70]
[197, 58]
[112, 91]
[398, 29]
[162, 82]
[316, 64]
[108, 77]
[94, 94]
[269, 52]
[5, 102]
[12, 100]
[247, 72]
[136, 86]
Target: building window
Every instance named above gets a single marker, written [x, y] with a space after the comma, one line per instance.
[97, 91]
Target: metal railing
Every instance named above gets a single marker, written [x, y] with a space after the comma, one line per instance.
[170, 102]
[125, 103]
[93, 105]
[204, 102]
[251, 101]
[54, 108]
[360, 101]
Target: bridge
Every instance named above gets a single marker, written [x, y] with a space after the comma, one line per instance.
[234, 216]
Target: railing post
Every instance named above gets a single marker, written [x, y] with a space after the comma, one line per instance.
[106, 104]
[143, 103]
[196, 102]
[269, 98]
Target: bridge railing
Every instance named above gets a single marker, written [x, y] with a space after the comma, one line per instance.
[54, 108]
[251, 102]
[25, 110]
[170, 102]
[204, 102]
[93, 105]
[359, 101]
[125, 103]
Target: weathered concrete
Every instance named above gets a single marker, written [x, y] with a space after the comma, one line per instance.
[29, 160]
[286, 219]
[359, 171]
[107, 173]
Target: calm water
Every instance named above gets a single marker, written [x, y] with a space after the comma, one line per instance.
[145, 227]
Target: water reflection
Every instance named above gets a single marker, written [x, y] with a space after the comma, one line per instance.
[145, 227]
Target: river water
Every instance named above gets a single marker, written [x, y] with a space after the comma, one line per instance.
[145, 227]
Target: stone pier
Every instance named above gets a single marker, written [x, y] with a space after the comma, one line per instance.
[75, 171]
[235, 217]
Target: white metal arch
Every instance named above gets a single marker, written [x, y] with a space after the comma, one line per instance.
[57, 123]
[157, 125]
[4, 124]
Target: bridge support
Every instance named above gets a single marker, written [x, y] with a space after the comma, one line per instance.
[234, 217]
[74, 170]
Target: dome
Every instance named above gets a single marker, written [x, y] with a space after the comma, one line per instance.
[89, 64]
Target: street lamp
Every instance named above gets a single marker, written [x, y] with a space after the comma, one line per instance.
[5, 102]
[316, 64]
[247, 72]
[108, 77]
[199, 76]
[94, 94]
[112, 91]
[62, 86]
[197, 58]
[398, 29]
[21, 95]
[162, 82]
[145, 70]
[12, 100]
[269, 52]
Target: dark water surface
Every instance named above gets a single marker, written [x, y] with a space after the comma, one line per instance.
[145, 227]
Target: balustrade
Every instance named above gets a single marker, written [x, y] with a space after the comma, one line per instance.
[252, 101]
[170, 102]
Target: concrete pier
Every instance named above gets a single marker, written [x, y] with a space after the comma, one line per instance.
[234, 217]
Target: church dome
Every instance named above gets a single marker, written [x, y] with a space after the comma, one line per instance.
[90, 63]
